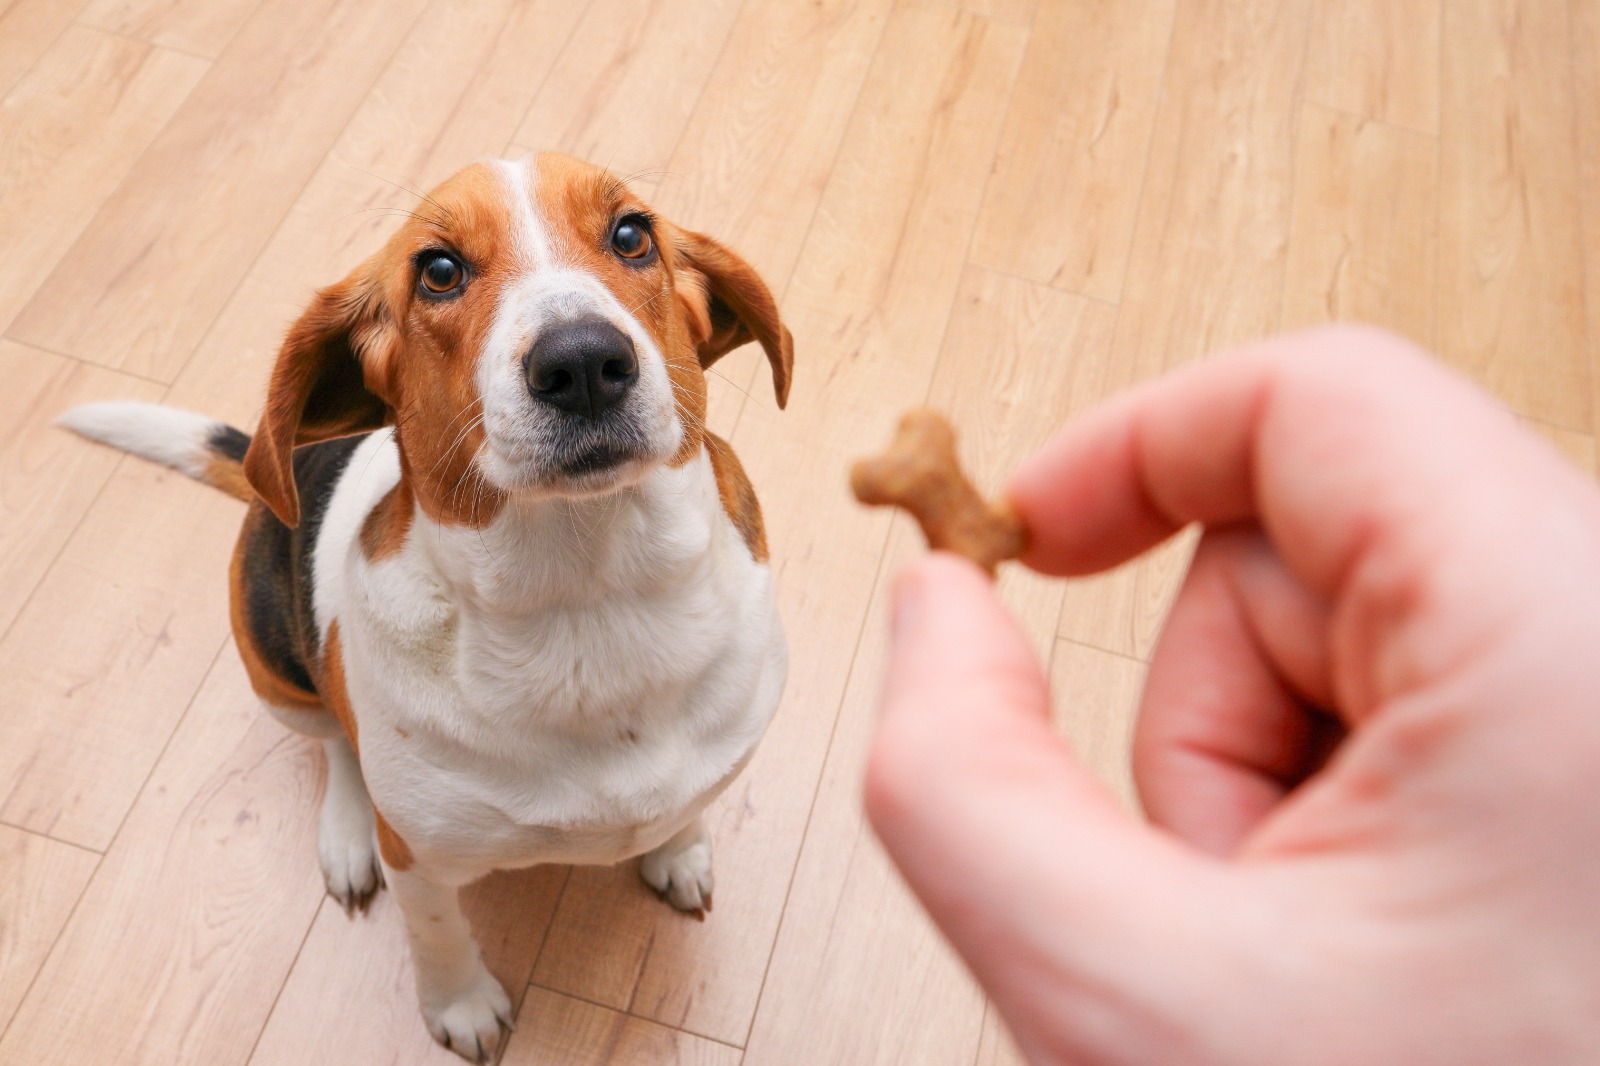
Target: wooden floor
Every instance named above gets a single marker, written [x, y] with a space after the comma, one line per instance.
[1007, 207]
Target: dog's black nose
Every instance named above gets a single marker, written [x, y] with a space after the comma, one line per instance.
[582, 367]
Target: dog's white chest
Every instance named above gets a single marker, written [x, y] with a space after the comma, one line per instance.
[563, 686]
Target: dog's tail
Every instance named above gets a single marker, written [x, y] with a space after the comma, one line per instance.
[205, 449]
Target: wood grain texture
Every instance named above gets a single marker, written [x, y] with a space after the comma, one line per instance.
[869, 297]
[42, 883]
[1018, 359]
[1511, 309]
[72, 127]
[559, 1029]
[604, 100]
[351, 996]
[754, 159]
[1206, 269]
[201, 27]
[27, 30]
[453, 93]
[1377, 59]
[148, 275]
[1362, 237]
[910, 176]
[1586, 94]
[108, 652]
[47, 477]
[1062, 202]
[183, 939]
[1020, 11]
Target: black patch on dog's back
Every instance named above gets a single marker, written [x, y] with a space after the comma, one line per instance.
[278, 580]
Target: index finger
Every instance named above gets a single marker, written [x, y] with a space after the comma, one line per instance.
[1334, 441]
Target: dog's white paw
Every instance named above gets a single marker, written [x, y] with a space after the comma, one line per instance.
[347, 850]
[474, 1021]
[347, 842]
[681, 872]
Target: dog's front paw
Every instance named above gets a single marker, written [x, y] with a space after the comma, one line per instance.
[474, 1021]
[680, 870]
[348, 854]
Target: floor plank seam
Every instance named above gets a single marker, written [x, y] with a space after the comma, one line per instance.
[153, 46]
[50, 837]
[22, 74]
[625, 1013]
[54, 943]
[55, 557]
[1059, 639]
[266, 1019]
[81, 361]
[1366, 120]
[544, 937]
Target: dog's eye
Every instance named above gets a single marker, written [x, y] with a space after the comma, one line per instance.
[442, 273]
[631, 238]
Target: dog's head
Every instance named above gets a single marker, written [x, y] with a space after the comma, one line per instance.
[532, 329]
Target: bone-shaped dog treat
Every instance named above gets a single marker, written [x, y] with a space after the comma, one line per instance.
[920, 474]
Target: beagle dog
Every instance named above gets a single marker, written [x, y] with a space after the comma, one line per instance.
[493, 557]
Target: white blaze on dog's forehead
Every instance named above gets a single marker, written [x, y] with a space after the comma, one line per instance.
[530, 236]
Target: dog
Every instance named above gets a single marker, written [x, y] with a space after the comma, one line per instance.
[494, 559]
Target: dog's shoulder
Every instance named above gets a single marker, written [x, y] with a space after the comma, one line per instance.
[738, 495]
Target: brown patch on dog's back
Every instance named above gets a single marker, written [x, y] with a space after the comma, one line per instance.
[384, 531]
[335, 695]
[738, 496]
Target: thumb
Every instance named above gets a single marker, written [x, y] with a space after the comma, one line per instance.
[1061, 903]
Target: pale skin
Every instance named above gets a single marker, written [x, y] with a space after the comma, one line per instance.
[1368, 746]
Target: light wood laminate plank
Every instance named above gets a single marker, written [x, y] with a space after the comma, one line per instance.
[1377, 59]
[1065, 192]
[182, 940]
[868, 301]
[138, 289]
[1511, 310]
[43, 880]
[73, 127]
[1017, 360]
[1362, 240]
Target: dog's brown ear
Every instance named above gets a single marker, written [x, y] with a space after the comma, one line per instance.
[738, 307]
[320, 387]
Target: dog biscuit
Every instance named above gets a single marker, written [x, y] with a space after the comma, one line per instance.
[920, 474]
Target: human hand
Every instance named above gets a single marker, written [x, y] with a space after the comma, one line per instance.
[1390, 569]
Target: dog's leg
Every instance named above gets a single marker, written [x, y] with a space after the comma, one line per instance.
[346, 843]
[466, 1009]
[347, 848]
[680, 869]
